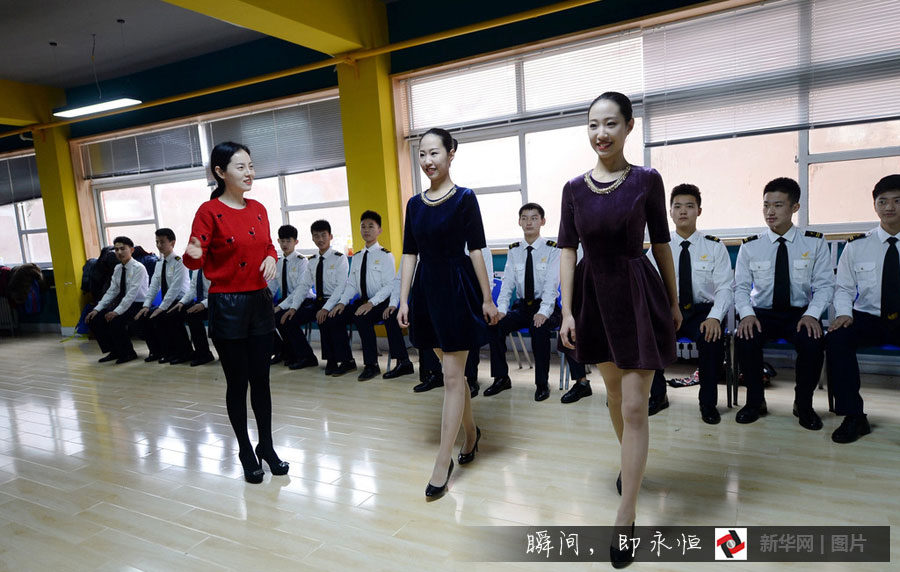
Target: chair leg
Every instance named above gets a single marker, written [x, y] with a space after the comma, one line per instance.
[729, 370]
[524, 349]
[516, 351]
[829, 386]
[563, 370]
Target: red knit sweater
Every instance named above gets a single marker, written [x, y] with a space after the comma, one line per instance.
[234, 242]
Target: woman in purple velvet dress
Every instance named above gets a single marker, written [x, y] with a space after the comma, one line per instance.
[617, 311]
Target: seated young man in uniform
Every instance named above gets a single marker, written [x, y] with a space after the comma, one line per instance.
[784, 282]
[532, 274]
[704, 277]
[165, 334]
[327, 273]
[371, 279]
[867, 305]
[121, 302]
[290, 274]
[193, 308]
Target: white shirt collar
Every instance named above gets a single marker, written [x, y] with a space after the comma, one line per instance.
[789, 235]
[883, 234]
[693, 239]
[534, 244]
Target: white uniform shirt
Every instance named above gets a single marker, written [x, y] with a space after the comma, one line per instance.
[135, 287]
[860, 269]
[545, 263]
[711, 274]
[812, 277]
[380, 273]
[334, 277]
[296, 277]
[177, 281]
[191, 293]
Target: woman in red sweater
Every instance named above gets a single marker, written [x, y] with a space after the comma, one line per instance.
[230, 240]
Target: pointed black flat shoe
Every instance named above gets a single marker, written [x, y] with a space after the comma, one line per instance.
[432, 492]
[465, 458]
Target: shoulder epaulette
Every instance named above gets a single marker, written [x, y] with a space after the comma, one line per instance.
[513, 245]
[359, 252]
[813, 234]
[383, 249]
[551, 243]
[311, 256]
[338, 253]
[856, 236]
[749, 238]
[712, 238]
[177, 258]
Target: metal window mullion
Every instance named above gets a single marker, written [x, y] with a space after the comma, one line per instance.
[282, 193]
[16, 209]
[853, 155]
[804, 9]
[316, 206]
[153, 202]
[802, 160]
[523, 168]
[497, 189]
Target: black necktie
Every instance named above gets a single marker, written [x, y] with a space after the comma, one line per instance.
[781, 295]
[284, 288]
[529, 276]
[200, 285]
[363, 287]
[165, 285]
[123, 285]
[685, 277]
[890, 283]
[320, 282]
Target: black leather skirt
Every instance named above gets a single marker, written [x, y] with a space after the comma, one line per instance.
[238, 315]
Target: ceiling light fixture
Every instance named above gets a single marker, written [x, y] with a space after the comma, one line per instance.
[97, 107]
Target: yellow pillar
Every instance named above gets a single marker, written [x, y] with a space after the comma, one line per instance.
[60, 199]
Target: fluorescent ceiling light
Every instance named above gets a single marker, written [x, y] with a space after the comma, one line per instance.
[97, 107]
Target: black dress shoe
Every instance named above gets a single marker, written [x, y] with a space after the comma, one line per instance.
[200, 360]
[402, 368]
[852, 428]
[369, 372]
[657, 404]
[576, 392]
[622, 558]
[541, 393]
[808, 418]
[465, 458]
[164, 359]
[474, 387]
[275, 359]
[305, 362]
[500, 384]
[151, 357]
[330, 367]
[750, 413]
[180, 359]
[432, 492]
[108, 357]
[127, 358]
[433, 380]
[710, 414]
[344, 367]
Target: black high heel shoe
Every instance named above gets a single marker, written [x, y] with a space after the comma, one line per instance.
[276, 465]
[253, 472]
[622, 558]
[464, 458]
[619, 483]
[432, 492]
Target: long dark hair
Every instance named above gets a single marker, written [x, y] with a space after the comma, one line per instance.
[220, 157]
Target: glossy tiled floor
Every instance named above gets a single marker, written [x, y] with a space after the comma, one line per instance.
[130, 467]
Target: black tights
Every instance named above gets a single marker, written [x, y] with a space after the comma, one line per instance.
[246, 361]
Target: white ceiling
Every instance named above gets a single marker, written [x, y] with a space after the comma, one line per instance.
[154, 33]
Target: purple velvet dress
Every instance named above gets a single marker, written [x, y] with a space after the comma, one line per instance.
[619, 302]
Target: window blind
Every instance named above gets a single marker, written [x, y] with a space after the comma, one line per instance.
[288, 140]
[19, 180]
[164, 150]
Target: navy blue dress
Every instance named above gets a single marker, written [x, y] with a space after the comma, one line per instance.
[445, 299]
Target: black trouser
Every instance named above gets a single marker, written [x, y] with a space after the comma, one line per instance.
[775, 326]
[843, 367]
[429, 363]
[712, 354]
[365, 325]
[246, 362]
[281, 339]
[198, 329]
[521, 315]
[165, 334]
[113, 336]
[293, 330]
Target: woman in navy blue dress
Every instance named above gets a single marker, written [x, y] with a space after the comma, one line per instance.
[448, 306]
[617, 310]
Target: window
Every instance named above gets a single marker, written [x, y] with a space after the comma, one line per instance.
[177, 203]
[731, 175]
[339, 219]
[318, 195]
[10, 247]
[855, 137]
[841, 192]
[23, 234]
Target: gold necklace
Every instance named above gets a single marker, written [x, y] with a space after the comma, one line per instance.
[443, 199]
[606, 190]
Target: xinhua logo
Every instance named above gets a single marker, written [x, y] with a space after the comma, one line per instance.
[730, 544]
